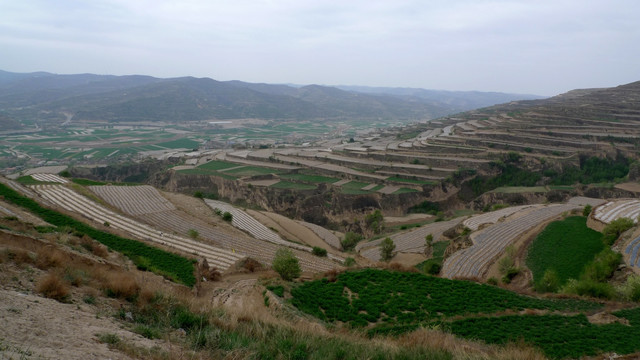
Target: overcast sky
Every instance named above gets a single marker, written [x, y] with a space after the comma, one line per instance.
[536, 47]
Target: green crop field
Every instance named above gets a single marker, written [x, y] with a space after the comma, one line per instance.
[252, 171]
[292, 185]
[354, 188]
[404, 191]
[565, 246]
[399, 298]
[520, 189]
[410, 181]
[201, 171]
[180, 143]
[218, 165]
[144, 256]
[309, 178]
[558, 336]
[397, 302]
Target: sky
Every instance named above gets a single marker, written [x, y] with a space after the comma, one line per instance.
[530, 47]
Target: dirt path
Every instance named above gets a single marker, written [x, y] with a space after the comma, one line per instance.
[34, 327]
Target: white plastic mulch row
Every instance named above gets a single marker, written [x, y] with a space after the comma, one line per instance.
[72, 201]
[50, 178]
[493, 217]
[134, 200]
[326, 235]
[614, 210]
[490, 242]
[248, 223]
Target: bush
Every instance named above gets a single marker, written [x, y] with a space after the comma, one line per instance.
[432, 268]
[193, 233]
[348, 262]
[550, 282]
[614, 229]
[350, 240]
[227, 216]
[286, 264]
[318, 251]
[630, 290]
[602, 266]
[386, 249]
[53, 287]
[587, 210]
[586, 287]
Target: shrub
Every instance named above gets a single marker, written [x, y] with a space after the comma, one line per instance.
[121, 285]
[614, 229]
[318, 251]
[53, 287]
[386, 249]
[550, 282]
[198, 194]
[349, 262]
[630, 290]
[276, 289]
[227, 216]
[602, 266]
[251, 265]
[492, 281]
[350, 240]
[587, 287]
[193, 233]
[587, 210]
[432, 268]
[108, 338]
[286, 264]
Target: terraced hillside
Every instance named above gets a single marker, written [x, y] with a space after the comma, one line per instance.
[490, 242]
[161, 214]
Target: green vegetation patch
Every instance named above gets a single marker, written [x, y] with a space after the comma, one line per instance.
[411, 181]
[218, 165]
[180, 144]
[558, 336]
[310, 178]
[401, 299]
[566, 247]
[404, 191]
[292, 185]
[592, 170]
[199, 171]
[28, 180]
[252, 171]
[354, 188]
[520, 189]
[144, 256]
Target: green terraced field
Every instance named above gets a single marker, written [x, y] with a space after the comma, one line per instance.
[565, 246]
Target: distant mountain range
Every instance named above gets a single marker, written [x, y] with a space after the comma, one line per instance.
[44, 97]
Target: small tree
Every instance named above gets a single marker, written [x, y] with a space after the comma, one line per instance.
[350, 240]
[318, 251]
[386, 249]
[227, 216]
[428, 243]
[286, 264]
[587, 210]
[550, 282]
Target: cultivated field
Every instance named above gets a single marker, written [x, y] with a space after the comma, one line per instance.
[489, 243]
[613, 210]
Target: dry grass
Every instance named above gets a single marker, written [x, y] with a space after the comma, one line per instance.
[121, 285]
[50, 257]
[52, 286]
[18, 256]
[94, 247]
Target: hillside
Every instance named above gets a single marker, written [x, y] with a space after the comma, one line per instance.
[56, 98]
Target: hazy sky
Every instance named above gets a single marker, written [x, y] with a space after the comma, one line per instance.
[540, 47]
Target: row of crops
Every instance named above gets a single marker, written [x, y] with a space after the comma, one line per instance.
[397, 302]
[175, 267]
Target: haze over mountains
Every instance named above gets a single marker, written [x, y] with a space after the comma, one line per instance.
[41, 97]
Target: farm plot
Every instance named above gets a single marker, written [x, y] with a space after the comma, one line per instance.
[632, 250]
[72, 201]
[493, 217]
[490, 242]
[134, 200]
[564, 246]
[389, 299]
[259, 250]
[246, 222]
[614, 210]
[412, 241]
[50, 178]
[326, 235]
[583, 201]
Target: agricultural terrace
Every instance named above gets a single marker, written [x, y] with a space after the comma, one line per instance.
[248, 223]
[386, 302]
[493, 217]
[564, 246]
[490, 243]
[614, 210]
[632, 251]
[145, 257]
[72, 201]
[175, 221]
[134, 200]
[412, 241]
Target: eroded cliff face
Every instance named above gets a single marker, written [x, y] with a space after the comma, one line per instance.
[323, 205]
